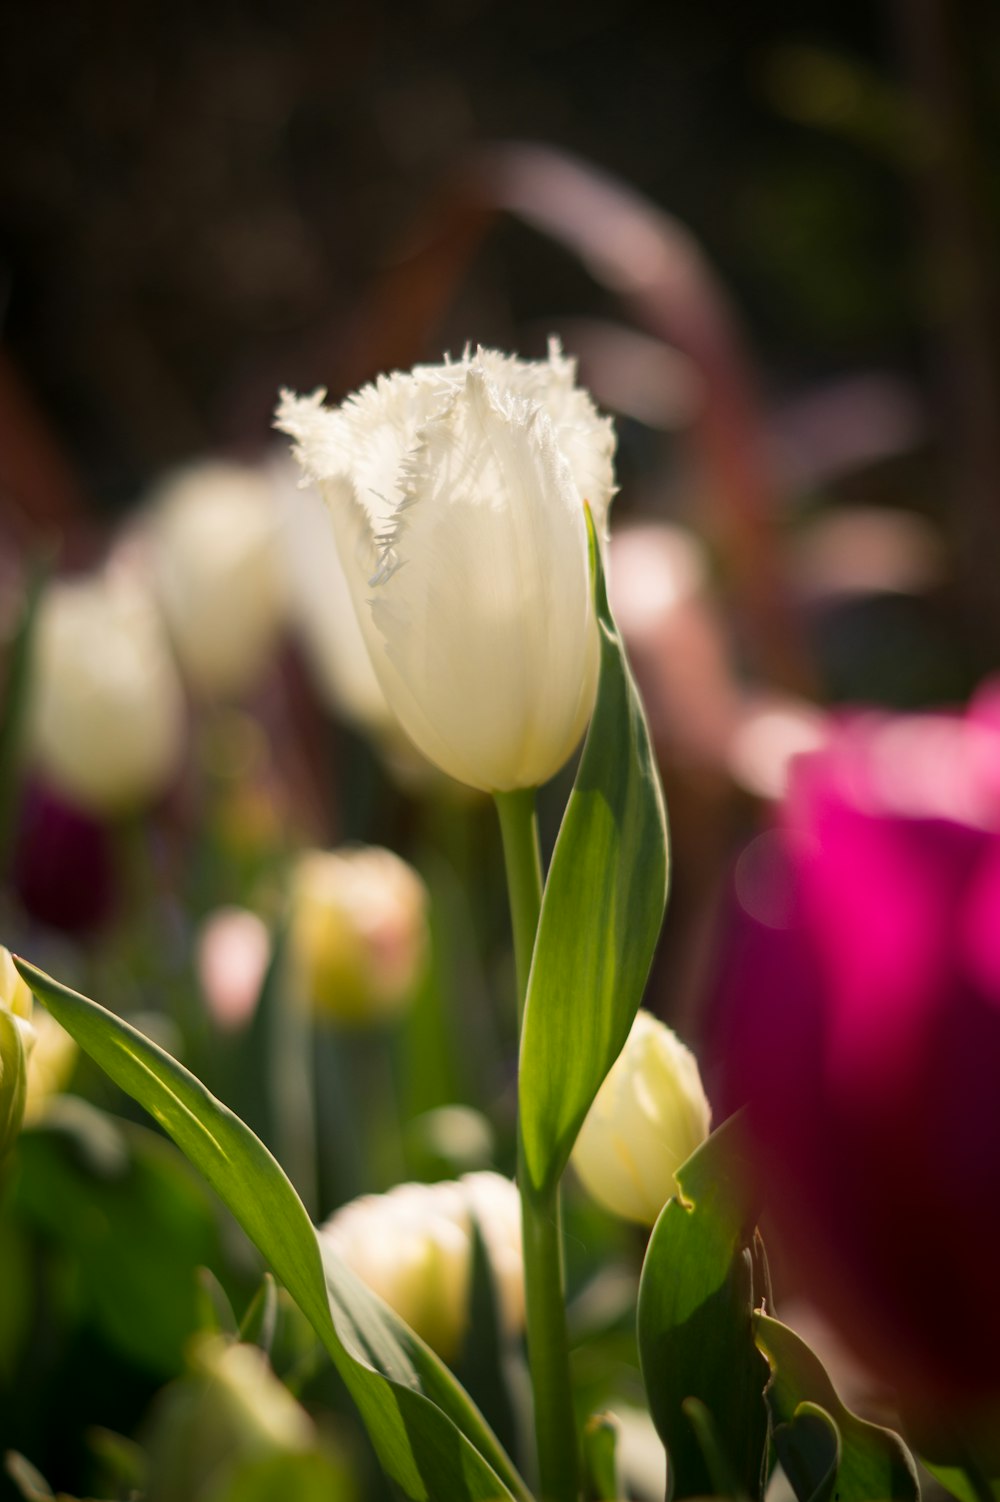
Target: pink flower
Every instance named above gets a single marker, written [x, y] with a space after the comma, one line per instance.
[859, 1018]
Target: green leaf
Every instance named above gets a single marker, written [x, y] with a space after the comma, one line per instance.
[428, 1435]
[873, 1462]
[600, 1457]
[601, 913]
[148, 1223]
[809, 1450]
[702, 1279]
[966, 1487]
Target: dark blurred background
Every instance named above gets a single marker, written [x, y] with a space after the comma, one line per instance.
[193, 198]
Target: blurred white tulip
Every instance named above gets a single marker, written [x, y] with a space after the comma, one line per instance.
[212, 533]
[106, 715]
[456, 496]
[358, 937]
[413, 1247]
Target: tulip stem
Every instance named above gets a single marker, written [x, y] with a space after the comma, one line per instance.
[541, 1216]
[523, 862]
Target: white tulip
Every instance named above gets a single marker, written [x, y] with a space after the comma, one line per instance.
[456, 493]
[106, 721]
[650, 1114]
[413, 1247]
[218, 570]
[358, 935]
[322, 610]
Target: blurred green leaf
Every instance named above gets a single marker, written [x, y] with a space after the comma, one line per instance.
[960, 1484]
[600, 1457]
[702, 1279]
[601, 913]
[135, 1236]
[429, 1437]
[804, 1407]
[260, 1320]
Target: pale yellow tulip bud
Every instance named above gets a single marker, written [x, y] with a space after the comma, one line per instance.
[220, 1423]
[16, 1039]
[359, 935]
[413, 1247]
[649, 1116]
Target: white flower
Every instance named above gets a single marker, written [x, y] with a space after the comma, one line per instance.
[413, 1247]
[322, 609]
[649, 1116]
[456, 493]
[106, 720]
[218, 571]
[358, 935]
[17, 1037]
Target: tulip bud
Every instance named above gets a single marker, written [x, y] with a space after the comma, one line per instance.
[359, 935]
[649, 1116]
[218, 572]
[229, 1411]
[413, 1247]
[106, 715]
[16, 1038]
[456, 497]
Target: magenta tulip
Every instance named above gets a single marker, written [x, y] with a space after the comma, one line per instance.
[859, 1019]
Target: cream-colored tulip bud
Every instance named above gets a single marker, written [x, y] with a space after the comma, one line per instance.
[210, 1430]
[413, 1247]
[106, 716]
[456, 495]
[219, 572]
[649, 1116]
[359, 933]
[50, 1063]
[17, 1037]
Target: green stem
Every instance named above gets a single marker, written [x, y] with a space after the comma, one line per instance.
[548, 1343]
[541, 1221]
[523, 863]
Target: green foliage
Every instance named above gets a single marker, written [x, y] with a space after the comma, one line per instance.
[601, 914]
[127, 1221]
[826, 1451]
[429, 1437]
[702, 1279]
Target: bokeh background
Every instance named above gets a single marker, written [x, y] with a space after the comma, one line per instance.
[769, 233]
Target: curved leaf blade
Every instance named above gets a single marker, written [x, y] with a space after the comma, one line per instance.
[601, 913]
[702, 1279]
[428, 1435]
[873, 1461]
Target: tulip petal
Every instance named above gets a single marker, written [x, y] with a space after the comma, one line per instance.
[481, 600]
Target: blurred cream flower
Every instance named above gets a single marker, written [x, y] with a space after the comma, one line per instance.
[50, 1063]
[456, 495]
[212, 536]
[649, 1116]
[227, 1428]
[47, 1053]
[16, 1039]
[106, 714]
[413, 1247]
[358, 936]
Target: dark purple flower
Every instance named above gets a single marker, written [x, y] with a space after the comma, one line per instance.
[859, 1018]
[63, 862]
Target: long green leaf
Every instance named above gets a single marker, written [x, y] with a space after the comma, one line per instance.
[429, 1436]
[872, 1462]
[702, 1278]
[601, 913]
